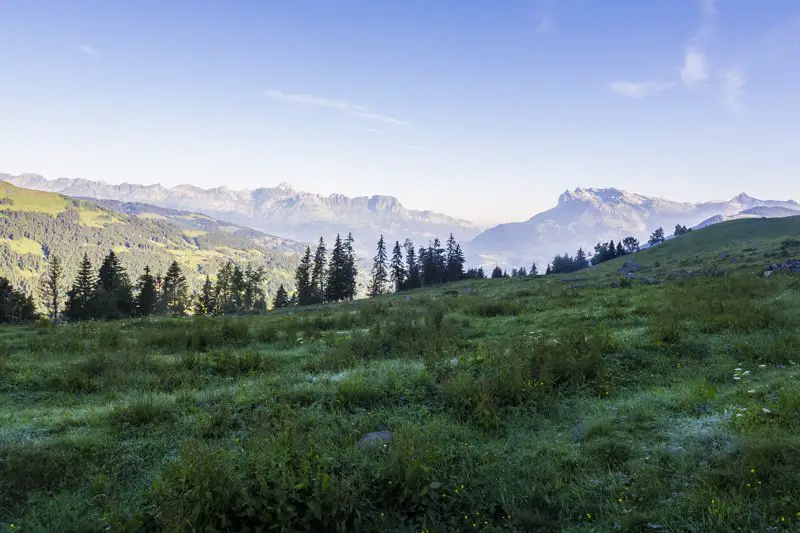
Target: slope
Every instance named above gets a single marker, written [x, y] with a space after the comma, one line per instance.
[34, 225]
[562, 403]
[584, 217]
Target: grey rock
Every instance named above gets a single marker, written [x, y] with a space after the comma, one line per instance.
[767, 273]
[467, 290]
[376, 437]
[407, 298]
[651, 281]
[629, 266]
[723, 255]
[733, 259]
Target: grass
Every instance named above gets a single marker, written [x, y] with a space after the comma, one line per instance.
[23, 245]
[521, 405]
[97, 219]
[17, 199]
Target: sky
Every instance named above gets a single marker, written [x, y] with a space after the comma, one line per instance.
[482, 109]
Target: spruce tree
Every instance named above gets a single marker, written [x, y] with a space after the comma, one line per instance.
[281, 299]
[336, 286]
[175, 291]
[548, 271]
[580, 259]
[397, 269]
[81, 296]
[255, 300]
[147, 294]
[497, 272]
[318, 273]
[114, 296]
[223, 298]
[237, 289]
[620, 250]
[380, 276]
[455, 260]
[50, 288]
[205, 304]
[15, 306]
[350, 273]
[305, 295]
[439, 261]
[534, 271]
[412, 266]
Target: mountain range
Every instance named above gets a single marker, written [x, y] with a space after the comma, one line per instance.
[584, 217]
[280, 210]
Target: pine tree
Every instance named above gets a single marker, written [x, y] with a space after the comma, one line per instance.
[305, 295]
[281, 299]
[51, 289]
[223, 296]
[455, 260]
[497, 272]
[397, 269]
[350, 273]
[534, 271]
[580, 259]
[631, 244]
[147, 294]
[439, 261]
[175, 290]
[379, 274]
[237, 289]
[205, 304]
[114, 296]
[81, 296]
[522, 272]
[548, 271]
[412, 266]
[15, 306]
[318, 273]
[336, 286]
[620, 250]
[513, 272]
[255, 300]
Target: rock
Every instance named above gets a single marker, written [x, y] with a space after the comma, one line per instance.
[651, 281]
[630, 275]
[629, 266]
[468, 290]
[407, 298]
[723, 255]
[375, 438]
[792, 266]
[767, 273]
[733, 260]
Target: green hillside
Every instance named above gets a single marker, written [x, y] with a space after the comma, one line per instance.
[35, 224]
[665, 400]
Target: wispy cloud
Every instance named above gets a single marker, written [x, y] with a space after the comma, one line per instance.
[354, 109]
[543, 19]
[86, 49]
[733, 82]
[640, 89]
[696, 66]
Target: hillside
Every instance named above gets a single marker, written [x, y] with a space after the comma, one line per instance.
[277, 210]
[35, 224]
[662, 396]
[584, 217]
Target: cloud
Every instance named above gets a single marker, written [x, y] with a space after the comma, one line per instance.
[708, 7]
[89, 50]
[640, 89]
[354, 109]
[695, 67]
[733, 82]
[544, 22]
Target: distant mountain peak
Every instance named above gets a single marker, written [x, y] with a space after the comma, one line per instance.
[285, 186]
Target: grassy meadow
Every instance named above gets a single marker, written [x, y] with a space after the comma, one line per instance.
[668, 401]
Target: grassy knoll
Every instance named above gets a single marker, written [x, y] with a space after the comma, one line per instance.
[585, 402]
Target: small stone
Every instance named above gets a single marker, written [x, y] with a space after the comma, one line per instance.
[767, 273]
[723, 255]
[376, 437]
[407, 298]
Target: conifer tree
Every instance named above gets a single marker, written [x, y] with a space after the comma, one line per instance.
[657, 237]
[439, 261]
[513, 272]
[497, 272]
[412, 266]
[114, 295]
[254, 300]
[237, 289]
[318, 273]
[147, 294]
[281, 299]
[455, 260]
[548, 271]
[305, 295]
[534, 271]
[204, 304]
[15, 306]
[379, 274]
[397, 269]
[580, 259]
[223, 297]
[620, 250]
[336, 286]
[50, 288]
[522, 272]
[81, 296]
[350, 273]
[631, 244]
[174, 292]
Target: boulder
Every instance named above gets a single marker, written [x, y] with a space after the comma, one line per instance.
[376, 438]
[629, 266]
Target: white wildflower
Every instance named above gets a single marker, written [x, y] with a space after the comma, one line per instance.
[737, 369]
[752, 391]
[739, 414]
[765, 410]
[746, 373]
[762, 366]
[737, 378]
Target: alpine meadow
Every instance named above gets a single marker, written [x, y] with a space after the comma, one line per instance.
[314, 266]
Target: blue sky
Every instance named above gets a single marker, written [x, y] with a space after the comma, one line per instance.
[481, 109]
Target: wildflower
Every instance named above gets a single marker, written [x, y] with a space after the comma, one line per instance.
[737, 378]
[739, 414]
[746, 373]
[737, 369]
[751, 391]
[752, 470]
[762, 366]
[765, 410]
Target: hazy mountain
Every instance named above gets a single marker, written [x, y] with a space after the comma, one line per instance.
[584, 217]
[36, 224]
[278, 210]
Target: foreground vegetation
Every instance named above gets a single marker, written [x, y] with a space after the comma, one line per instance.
[666, 400]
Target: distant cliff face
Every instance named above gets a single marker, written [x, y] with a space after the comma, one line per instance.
[279, 210]
[584, 217]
